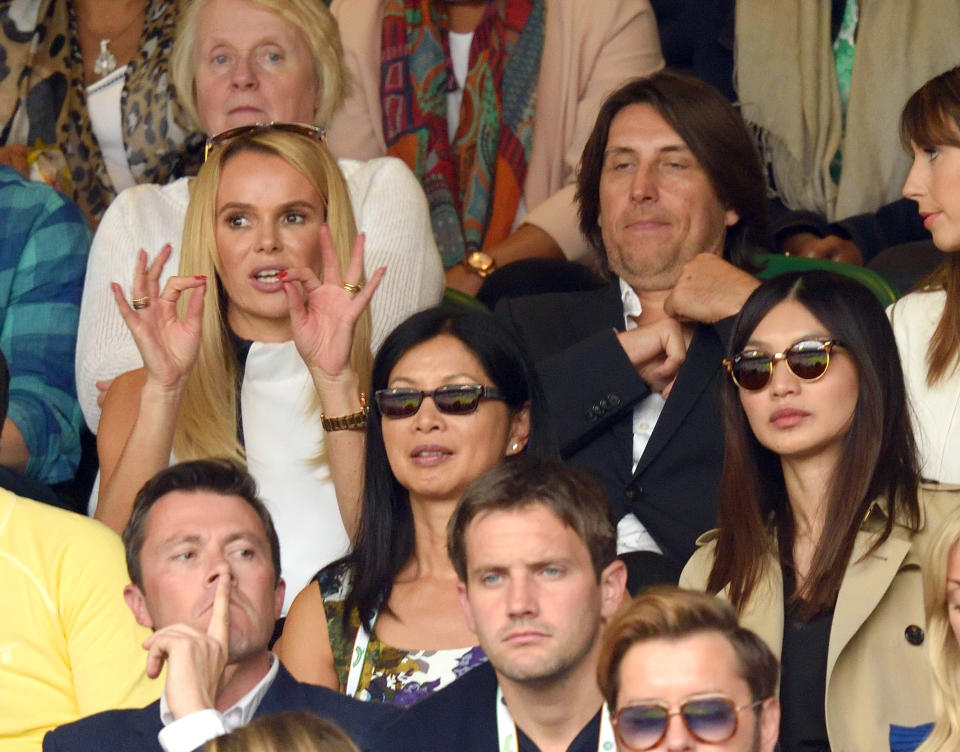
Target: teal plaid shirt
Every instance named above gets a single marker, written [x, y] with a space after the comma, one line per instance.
[44, 241]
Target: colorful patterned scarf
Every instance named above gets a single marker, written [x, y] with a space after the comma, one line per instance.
[473, 185]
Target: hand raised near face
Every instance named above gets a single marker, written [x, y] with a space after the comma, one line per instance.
[709, 289]
[324, 314]
[830, 247]
[195, 660]
[167, 345]
[657, 351]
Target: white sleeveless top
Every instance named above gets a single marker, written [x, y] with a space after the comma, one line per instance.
[282, 436]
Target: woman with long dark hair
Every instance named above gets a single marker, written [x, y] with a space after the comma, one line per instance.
[822, 525]
[453, 394]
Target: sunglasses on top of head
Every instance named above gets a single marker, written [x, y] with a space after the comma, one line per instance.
[453, 399]
[301, 129]
[807, 359]
[709, 719]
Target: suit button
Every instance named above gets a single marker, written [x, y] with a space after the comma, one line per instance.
[914, 634]
[628, 493]
[613, 400]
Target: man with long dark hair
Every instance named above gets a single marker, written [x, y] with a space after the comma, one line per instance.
[672, 198]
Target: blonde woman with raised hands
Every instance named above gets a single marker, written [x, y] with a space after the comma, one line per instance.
[258, 348]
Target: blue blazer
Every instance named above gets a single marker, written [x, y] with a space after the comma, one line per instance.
[462, 717]
[136, 730]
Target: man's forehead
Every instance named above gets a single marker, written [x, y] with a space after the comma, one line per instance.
[529, 524]
[640, 126]
[200, 515]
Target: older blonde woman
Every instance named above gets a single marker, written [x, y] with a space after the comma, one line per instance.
[238, 62]
[245, 348]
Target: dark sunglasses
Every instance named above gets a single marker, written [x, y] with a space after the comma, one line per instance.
[711, 720]
[454, 399]
[301, 129]
[807, 359]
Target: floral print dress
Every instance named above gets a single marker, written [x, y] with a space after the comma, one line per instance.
[386, 673]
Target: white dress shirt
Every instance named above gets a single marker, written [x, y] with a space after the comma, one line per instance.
[631, 533]
[192, 731]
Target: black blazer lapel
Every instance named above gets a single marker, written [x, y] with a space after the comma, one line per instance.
[701, 367]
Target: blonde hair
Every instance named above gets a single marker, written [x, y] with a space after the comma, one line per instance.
[943, 645]
[207, 423]
[290, 731]
[310, 17]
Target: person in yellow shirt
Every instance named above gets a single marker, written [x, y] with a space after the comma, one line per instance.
[69, 646]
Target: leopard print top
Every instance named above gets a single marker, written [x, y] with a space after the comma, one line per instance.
[43, 97]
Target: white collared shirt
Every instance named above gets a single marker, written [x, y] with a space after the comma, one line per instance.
[631, 534]
[191, 731]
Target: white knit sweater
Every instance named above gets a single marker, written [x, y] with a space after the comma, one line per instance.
[389, 207]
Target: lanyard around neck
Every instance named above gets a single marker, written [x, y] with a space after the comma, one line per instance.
[507, 729]
[357, 658]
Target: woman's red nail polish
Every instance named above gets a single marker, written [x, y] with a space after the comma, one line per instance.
[282, 274]
[201, 276]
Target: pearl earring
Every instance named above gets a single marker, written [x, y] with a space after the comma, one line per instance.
[515, 446]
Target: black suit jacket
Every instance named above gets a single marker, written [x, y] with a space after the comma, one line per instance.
[592, 388]
[462, 717]
[136, 730]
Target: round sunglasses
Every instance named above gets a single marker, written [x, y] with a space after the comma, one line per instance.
[807, 359]
[709, 719]
[453, 399]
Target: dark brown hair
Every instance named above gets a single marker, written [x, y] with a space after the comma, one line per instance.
[524, 481]
[220, 476]
[931, 118]
[718, 138]
[666, 612]
[878, 458]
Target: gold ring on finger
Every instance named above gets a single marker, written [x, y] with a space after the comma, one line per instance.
[352, 288]
[140, 303]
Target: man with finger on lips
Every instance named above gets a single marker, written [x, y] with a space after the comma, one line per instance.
[204, 563]
[672, 198]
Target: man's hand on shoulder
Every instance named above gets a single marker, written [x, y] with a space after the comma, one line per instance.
[657, 351]
[709, 289]
[195, 660]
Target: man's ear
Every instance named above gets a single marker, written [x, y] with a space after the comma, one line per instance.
[769, 721]
[278, 594]
[137, 603]
[613, 586]
[465, 605]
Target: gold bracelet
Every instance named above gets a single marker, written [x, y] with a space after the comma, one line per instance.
[352, 422]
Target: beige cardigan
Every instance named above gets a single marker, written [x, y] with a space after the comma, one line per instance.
[589, 49]
[875, 676]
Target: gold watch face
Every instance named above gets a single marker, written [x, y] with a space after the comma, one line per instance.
[480, 261]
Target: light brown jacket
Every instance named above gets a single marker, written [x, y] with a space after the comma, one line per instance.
[875, 676]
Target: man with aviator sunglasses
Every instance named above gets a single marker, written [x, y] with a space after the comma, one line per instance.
[679, 673]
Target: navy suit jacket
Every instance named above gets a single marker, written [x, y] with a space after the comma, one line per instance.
[136, 730]
[592, 388]
[462, 717]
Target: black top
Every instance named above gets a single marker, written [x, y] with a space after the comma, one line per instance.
[463, 717]
[803, 679]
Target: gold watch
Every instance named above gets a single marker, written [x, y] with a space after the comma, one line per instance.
[352, 422]
[480, 263]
